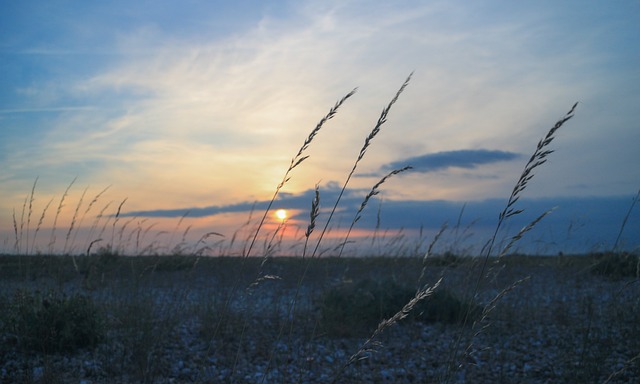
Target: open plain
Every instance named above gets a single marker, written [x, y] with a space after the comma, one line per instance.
[183, 319]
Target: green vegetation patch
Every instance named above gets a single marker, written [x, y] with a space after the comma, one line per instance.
[53, 322]
[355, 309]
[617, 265]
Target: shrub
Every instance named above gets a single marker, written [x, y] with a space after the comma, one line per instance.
[353, 309]
[54, 322]
[443, 306]
[448, 259]
[617, 265]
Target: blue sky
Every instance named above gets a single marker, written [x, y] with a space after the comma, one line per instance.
[200, 105]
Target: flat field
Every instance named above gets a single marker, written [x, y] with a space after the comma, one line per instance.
[183, 319]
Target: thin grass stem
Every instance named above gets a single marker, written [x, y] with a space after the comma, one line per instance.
[375, 190]
[367, 142]
[295, 161]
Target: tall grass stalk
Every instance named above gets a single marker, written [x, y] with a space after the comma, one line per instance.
[19, 241]
[315, 203]
[624, 221]
[16, 245]
[111, 245]
[39, 225]
[176, 228]
[372, 345]
[367, 142]
[18, 232]
[313, 215]
[96, 221]
[85, 213]
[73, 222]
[295, 161]
[291, 310]
[373, 192]
[52, 239]
[298, 159]
[429, 251]
[30, 210]
[538, 158]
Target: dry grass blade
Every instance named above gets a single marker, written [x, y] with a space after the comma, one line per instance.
[21, 232]
[73, 222]
[371, 345]
[524, 230]
[538, 158]
[489, 308]
[52, 239]
[298, 158]
[429, 250]
[113, 226]
[30, 210]
[95, 223]
[86, 211]
[295, 161]
[313, 215]
[373, 192]
[624, 221]
[314, 212]
[91, 245]
[367, 142]
[203, 239]
[15, 231]
[381, 120]
[40, 221]
[627, 364]
[175, 230]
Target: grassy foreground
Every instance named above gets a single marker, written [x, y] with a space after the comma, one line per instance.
[178, 319]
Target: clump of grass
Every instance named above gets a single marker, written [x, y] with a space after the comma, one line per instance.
[444, 306]
[372, 344]
[449, 259]
[144, 326]
[353, 309]
[52, 322]
[617, 265]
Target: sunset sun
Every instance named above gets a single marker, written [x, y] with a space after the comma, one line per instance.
[281, 214]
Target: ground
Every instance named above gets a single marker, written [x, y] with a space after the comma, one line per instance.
[180, 319]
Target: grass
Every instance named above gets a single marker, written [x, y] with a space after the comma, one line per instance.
[166, 313]
[156, 317]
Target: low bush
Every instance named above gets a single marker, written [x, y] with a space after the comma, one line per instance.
[52, 322]
[355, 309]
[617, 265]
[443, 306]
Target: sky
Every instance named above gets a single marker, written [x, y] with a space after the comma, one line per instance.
[188, 113]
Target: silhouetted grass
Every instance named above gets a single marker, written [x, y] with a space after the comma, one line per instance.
[167, 313]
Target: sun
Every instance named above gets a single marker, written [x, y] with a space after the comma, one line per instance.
[281, 214]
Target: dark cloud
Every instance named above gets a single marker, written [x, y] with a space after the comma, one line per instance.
[299, 201]
[464, 158]
[578, 223]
